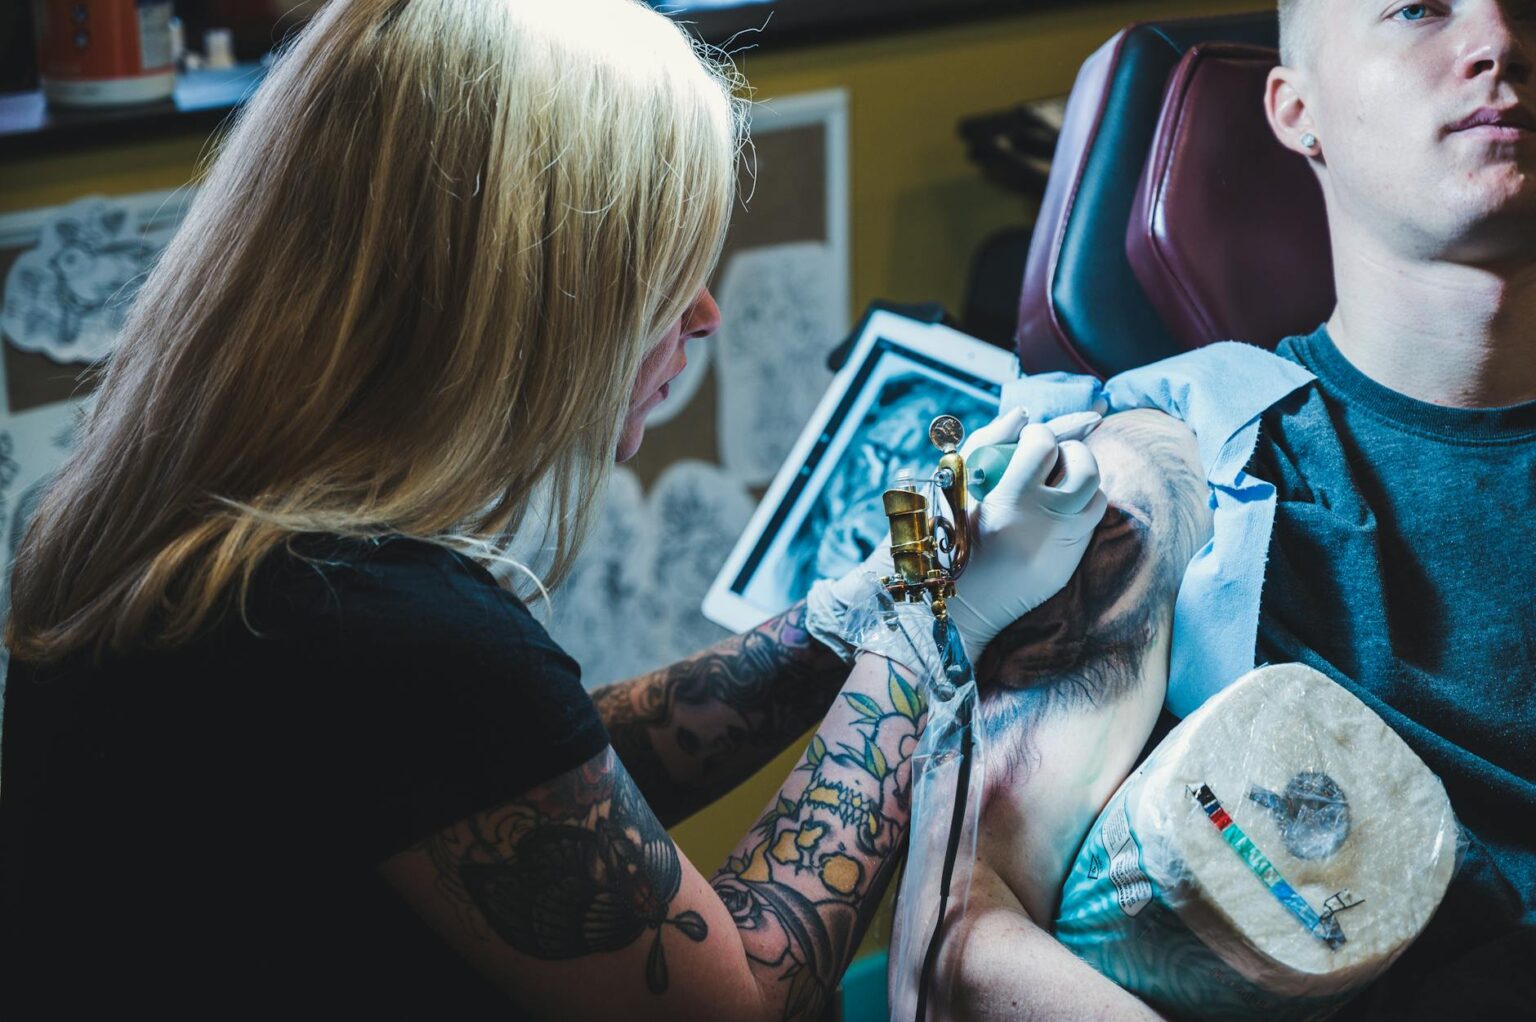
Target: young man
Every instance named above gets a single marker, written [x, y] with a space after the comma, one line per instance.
[1402, 554]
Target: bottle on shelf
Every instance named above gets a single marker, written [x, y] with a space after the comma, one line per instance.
[94, 53]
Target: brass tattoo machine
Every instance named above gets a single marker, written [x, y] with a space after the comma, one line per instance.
[929, 551]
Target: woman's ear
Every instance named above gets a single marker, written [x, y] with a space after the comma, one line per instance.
[1286, 107]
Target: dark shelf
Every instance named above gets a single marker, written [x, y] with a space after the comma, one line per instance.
[786, 24]
[203, 99]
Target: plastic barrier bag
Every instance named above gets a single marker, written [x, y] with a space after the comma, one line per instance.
[948, 770]
[1270, 858]
[940, 784]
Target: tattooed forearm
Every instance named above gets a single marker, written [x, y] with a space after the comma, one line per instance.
[801, 886]
[690, 732]
[577, 867]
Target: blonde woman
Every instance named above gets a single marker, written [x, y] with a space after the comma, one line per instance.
[275, 739]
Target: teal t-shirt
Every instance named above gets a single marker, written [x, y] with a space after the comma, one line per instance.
[1403, 565]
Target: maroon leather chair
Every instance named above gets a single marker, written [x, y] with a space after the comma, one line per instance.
[1172, 217]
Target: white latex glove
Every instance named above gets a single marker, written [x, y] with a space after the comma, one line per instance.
[1028, 536]
[1020, 504]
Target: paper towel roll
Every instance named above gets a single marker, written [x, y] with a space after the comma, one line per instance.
[1274, 854]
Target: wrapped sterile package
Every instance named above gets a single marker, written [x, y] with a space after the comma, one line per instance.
[1275, 853]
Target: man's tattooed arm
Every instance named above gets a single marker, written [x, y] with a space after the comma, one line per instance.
[690, 732]
[575, 900]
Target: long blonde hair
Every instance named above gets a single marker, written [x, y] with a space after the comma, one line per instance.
[414, 289]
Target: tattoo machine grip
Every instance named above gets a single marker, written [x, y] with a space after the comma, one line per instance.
[986, 465]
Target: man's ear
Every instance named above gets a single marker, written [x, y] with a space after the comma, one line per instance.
[1289, 117]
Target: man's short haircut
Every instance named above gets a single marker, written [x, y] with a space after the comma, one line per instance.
[1298, 30]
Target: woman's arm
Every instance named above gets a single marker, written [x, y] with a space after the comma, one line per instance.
[573, 898]
[690, 732]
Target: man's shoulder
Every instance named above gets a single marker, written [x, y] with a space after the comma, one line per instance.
[1291, 348]
[1299, 429]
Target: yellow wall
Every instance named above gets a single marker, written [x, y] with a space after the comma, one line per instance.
[120, 170]
[919, 207]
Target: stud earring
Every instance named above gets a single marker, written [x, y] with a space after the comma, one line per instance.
[1309, 141]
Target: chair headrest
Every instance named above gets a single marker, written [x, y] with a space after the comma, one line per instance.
[1082, 308]
[1228, 237]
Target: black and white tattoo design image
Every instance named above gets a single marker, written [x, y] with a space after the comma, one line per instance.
[579, 866]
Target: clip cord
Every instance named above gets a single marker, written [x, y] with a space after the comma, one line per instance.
[964, 717]
[1324, 927]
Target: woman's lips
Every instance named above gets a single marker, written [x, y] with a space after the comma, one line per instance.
[666, 388]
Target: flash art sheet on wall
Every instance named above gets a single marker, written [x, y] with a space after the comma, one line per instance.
[71, 271]
[772, 352]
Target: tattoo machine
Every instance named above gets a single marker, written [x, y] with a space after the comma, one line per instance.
[929, 553]
[919, 538]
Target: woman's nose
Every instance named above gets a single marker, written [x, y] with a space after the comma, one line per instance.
[702, 317]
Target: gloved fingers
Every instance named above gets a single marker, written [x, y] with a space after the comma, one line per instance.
[1089, 517]
[1002, 430]
[1032, 462]
[1074, 425]
[1079, 480]
[1097, 508]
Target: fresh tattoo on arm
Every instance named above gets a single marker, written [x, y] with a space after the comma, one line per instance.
[802, 885]
[577, 867]
[1084, 649]
[690, 732]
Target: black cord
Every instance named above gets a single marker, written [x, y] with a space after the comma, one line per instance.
[952, 850]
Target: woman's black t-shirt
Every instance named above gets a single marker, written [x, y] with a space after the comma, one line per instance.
[197, 831]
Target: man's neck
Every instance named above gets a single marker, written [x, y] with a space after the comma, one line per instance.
[1441, 332]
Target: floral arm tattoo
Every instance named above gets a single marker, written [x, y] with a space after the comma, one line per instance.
[802, 885]
[690, 732]
[581, 865]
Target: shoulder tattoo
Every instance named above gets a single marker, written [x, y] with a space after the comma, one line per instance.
[575, 867]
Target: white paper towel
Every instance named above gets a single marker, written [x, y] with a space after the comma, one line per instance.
[1322, 793]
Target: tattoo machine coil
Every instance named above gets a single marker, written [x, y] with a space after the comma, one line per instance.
[930, 552]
